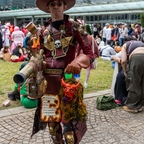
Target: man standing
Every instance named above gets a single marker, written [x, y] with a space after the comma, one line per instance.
[104, 32]
[95, 30]
[59, 45]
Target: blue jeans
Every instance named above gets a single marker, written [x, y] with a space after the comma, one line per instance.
[121, 41]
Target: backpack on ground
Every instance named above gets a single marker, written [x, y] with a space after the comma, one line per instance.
[105, 102]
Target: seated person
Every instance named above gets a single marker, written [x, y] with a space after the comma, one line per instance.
[107, 51]
[5, 53]
[18, 54]
[26, 100]
[20, 93]
[101, 46]
[98, 39]
[117, 48]
[120, 91]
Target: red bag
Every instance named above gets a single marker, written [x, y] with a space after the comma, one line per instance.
[114, 38]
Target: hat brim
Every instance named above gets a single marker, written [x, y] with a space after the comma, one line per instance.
[42, 4]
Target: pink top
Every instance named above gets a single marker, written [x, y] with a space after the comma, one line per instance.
[17, 36]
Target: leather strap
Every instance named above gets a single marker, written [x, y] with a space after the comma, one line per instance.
[53, 71]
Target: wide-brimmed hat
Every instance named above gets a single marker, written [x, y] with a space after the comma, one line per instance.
[42, 4]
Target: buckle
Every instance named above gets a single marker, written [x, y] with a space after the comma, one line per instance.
[53, 71]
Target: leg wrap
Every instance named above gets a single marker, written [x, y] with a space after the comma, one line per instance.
[69, 134]
[55, 131]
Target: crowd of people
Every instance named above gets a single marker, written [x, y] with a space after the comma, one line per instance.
[122, 44]
[12, 38]
[66, 46]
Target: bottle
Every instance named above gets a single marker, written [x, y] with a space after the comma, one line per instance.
[77, 77]
[68, 76]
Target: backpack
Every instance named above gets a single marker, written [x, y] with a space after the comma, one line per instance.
[105, 102]
[142, 37]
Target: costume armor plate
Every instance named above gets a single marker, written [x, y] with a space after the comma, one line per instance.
[50, 108]
[57, 43]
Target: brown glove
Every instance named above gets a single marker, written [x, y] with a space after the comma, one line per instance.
[82, 61]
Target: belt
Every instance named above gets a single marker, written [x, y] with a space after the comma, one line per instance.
[53, 71]
[26, 96]
[31, 99]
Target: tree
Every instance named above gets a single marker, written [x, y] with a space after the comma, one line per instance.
[142, 19]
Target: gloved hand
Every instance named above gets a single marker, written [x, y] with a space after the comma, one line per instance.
[73, 67]
[82, 61]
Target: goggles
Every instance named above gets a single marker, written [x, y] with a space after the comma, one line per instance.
[53, 4]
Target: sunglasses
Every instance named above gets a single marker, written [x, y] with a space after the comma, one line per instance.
[53, 4]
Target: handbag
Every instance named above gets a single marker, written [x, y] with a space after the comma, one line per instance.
[94, 63]
[105, 102]
[114, 38]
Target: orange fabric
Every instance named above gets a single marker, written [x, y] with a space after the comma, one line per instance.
[117, 49]
[36, 42]
[19, 88]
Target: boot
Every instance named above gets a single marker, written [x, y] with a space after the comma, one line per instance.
[55, 131]
[15, 95]
[69, 134]
[69, 137]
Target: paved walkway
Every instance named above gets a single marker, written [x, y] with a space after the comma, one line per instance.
[104, 127]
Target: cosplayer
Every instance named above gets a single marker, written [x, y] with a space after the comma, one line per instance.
[88, 39]
[54, 91]
[6, 34]
[17, 37]
[18, 54]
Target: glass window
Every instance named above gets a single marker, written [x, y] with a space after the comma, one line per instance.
[91, 18]
[126, 16]
[103, 17]
[87, 18]
[96, 18]
[132, 16]
[100, 17]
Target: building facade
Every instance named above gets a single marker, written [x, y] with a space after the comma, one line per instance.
[95, 11]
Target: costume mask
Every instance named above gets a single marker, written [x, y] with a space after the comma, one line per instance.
[69, 90]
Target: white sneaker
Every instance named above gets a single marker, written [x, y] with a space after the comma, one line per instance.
[85, 85]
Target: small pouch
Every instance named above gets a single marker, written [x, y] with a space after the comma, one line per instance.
[36, 86]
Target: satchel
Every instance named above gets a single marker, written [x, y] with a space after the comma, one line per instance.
[105, 102]
[94, 64]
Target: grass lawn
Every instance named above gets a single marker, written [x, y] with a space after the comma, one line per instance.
[100, 79]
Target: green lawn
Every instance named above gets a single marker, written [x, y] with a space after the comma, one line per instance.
[100, 79]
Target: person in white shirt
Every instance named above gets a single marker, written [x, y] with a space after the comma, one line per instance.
[104, 32]
[123, 33]
[6, 34]
[107, 52]
[108, 33]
